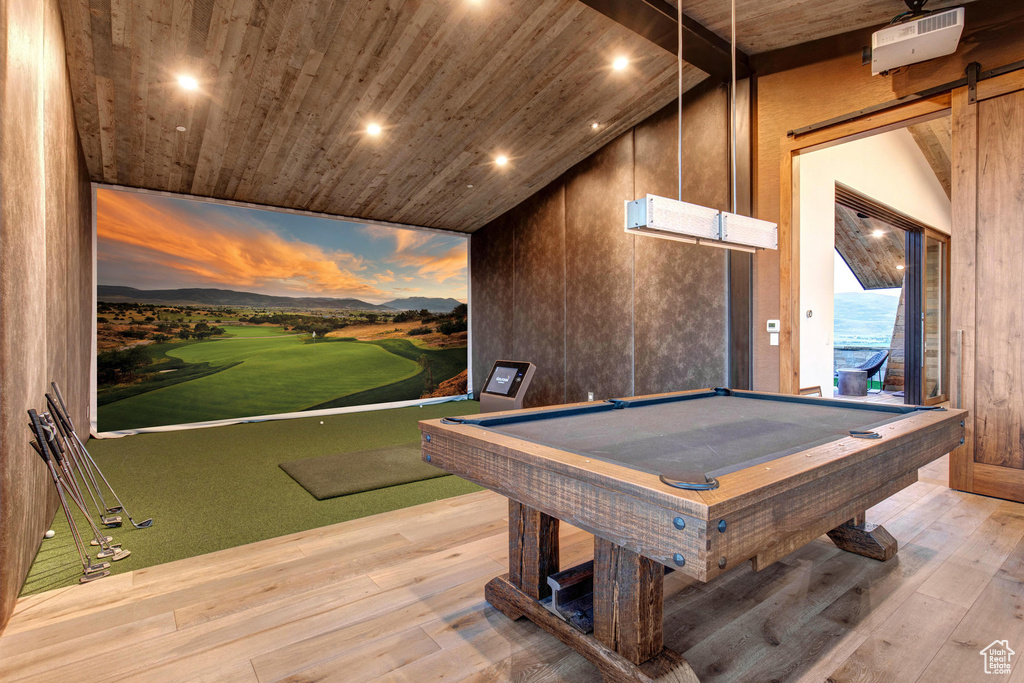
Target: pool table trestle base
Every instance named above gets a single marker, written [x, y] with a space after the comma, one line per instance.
[760, 513]
[665, 667]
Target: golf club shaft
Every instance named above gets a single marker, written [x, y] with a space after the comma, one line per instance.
[41, 448]
[88, 458]
[68, 428]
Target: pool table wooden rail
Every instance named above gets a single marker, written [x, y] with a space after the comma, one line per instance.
[769, 509]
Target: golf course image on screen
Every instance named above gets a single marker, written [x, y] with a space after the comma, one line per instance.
[208, 311]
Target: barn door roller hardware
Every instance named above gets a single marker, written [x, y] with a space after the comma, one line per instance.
[913, 97]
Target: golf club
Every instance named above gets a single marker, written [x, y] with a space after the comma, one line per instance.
[75, 469]
[90, 571]
[63, 415]
[107, 547]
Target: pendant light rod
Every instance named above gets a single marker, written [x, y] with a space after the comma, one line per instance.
[679, 100]
[732, 107]
[675, 219]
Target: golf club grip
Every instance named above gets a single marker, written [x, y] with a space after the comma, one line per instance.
[37, 449]
[59, 412]
[37, 428]
[56, 447]
[59, 420]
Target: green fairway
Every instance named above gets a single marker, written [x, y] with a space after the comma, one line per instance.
[265, 373]
[445, 363]
[209, 489]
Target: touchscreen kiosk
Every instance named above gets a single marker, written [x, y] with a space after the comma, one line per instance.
[506, 386]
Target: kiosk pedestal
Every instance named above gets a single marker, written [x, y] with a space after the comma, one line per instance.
[506, 386]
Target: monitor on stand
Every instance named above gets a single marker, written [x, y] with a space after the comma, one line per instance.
[506, 386]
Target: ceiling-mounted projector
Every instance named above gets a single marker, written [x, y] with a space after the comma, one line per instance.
[916, 40]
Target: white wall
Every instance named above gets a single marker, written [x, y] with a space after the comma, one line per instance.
[889, 168]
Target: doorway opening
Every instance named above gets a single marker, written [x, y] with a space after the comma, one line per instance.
[874, 219]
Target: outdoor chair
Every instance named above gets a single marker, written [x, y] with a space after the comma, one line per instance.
[874, 364]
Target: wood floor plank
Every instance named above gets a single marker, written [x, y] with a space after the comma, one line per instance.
[473, 642]
[38, 658]
[248, 634]
[798, 657]
[416, 570]
[902, 648]
[371, 659]
[399, 597]
[740, 646]
[39, 610]
[964, 576]
[285, 661]
[998, 614]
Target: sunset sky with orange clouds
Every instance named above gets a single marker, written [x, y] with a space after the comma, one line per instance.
[154, 242]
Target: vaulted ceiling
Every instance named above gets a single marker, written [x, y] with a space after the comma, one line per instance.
[935, 140]
[287, 89]
[764, 25]
[876, 262]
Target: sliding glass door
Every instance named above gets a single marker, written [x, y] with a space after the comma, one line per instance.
[935, 318]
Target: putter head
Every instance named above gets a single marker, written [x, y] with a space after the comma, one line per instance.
[86, 578]
[115, 509]
[111, 522]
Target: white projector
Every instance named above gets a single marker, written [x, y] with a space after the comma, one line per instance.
[931, 36]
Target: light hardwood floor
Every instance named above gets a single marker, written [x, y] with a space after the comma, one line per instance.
[399, 596]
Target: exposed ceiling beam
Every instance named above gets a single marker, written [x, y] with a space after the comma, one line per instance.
[655, 20]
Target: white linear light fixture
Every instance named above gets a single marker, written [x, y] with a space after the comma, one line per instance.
[677, 220]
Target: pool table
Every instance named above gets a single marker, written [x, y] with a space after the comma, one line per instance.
[697, 482]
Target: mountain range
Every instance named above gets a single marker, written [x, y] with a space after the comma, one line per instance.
[228, 297]
[864, 317]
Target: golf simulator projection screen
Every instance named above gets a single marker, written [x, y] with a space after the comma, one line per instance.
[209, 311]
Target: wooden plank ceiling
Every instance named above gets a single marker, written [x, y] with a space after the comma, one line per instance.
[874, 260]
[288, 87]
[935, 139]
[765, 25]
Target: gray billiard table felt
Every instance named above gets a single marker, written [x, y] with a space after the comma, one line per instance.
[715, 435]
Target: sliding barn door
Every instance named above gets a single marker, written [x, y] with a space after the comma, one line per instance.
[987, 278]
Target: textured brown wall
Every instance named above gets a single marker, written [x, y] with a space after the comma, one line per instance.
[681, 288]
[613, 314]
[598, 270]
[45, 269]
[539, 328]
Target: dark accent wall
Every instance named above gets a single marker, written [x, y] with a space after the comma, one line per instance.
[557, 281]
[45, 270]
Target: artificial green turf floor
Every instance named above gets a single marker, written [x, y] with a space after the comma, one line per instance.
[210, 489]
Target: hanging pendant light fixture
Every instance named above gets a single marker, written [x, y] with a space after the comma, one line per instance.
[681, 221]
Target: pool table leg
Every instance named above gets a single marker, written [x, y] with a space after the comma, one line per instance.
[628, 601]
[628, 595]
[870, 540]
[532, 549]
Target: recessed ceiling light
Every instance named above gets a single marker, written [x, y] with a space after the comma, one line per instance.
[620, 63]
[469, 186]
[900, 267]
[188, 83]
[595, 125]
[878, 233]
[501, 160]
[180, 129]
[373, 129]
